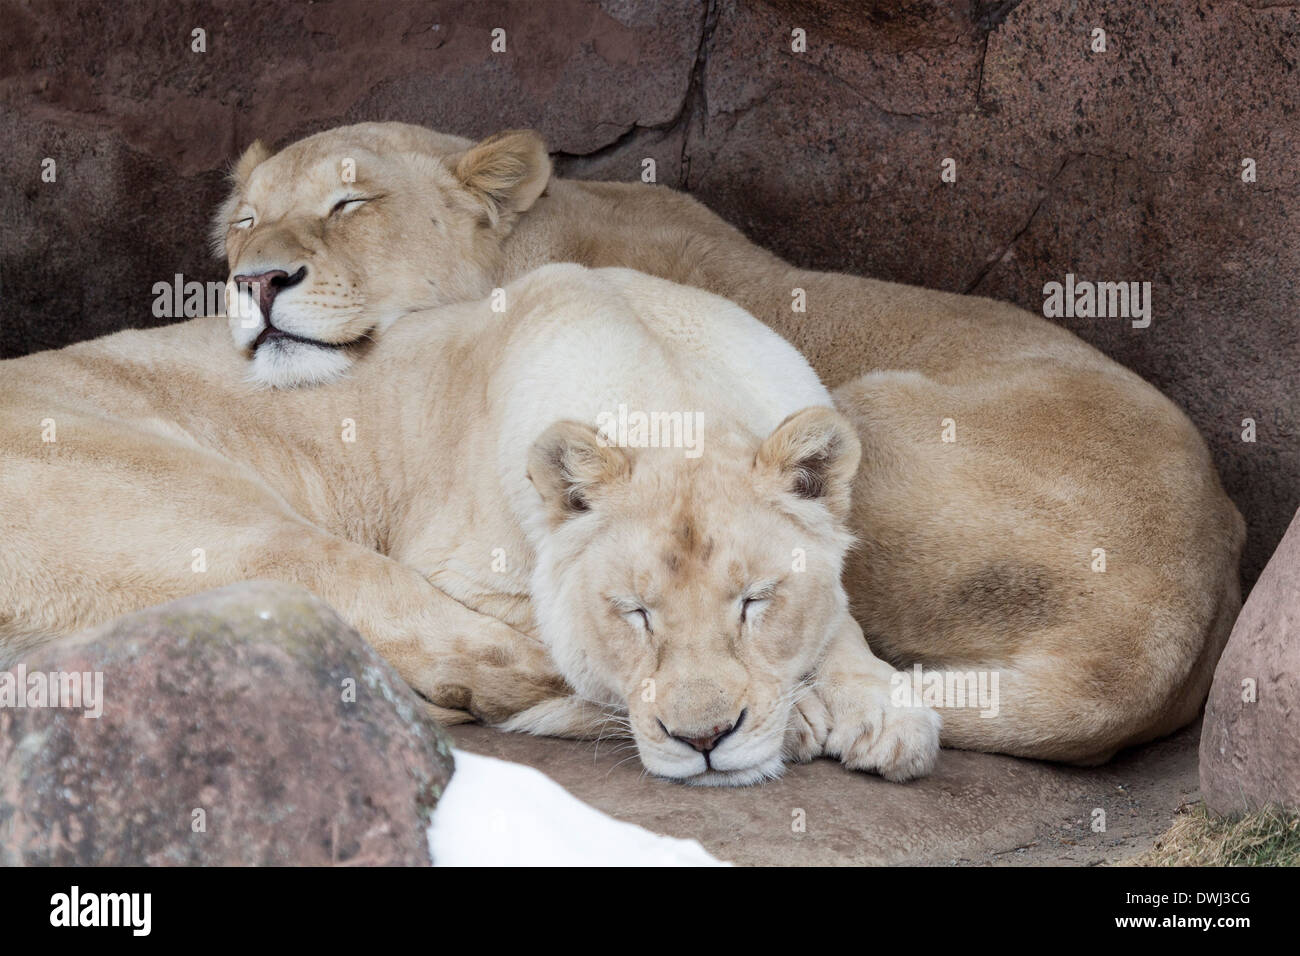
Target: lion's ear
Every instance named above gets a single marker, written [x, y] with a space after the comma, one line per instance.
[569, 464]
[505, 172]
[814, 455]
[253, 157]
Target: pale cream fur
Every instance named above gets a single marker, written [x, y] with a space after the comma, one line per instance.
[976, 554]
[454, 483]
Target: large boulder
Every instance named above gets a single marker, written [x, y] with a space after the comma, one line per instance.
[245, 726]
[1250, 742]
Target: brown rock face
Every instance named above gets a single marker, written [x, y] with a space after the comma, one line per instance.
[245, 726]
[1122, 165]
[1250, 741]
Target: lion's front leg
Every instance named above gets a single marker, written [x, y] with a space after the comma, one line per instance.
[465, 663]
[850, 713]
[468, 663]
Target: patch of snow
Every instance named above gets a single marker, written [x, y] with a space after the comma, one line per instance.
[497, 813]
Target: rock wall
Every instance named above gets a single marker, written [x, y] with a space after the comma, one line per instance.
[1123, 165]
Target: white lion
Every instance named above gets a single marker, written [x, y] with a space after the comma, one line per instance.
[455, 481]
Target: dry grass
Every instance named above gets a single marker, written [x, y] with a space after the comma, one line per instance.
[1268, 837]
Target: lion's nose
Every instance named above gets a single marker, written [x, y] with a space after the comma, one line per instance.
[269, 284]
[708, 740]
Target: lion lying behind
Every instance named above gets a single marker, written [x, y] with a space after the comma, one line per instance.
[1027, 509]
[456, 475]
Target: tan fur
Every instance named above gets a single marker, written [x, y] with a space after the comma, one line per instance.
[975, 554]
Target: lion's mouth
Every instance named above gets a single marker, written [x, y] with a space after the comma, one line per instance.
[271, 334]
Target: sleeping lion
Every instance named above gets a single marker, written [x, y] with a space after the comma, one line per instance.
[1027, 509]
[473, 500]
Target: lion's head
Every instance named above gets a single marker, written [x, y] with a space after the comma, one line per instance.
[697, 595]
[338, 235]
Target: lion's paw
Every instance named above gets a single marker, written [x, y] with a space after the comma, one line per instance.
[872, 733]
[810, 724]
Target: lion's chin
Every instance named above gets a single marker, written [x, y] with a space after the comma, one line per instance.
[284, 363]
[744, 777]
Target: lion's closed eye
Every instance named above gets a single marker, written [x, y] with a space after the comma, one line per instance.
[632, 611]
[753, 602]
[349, 203]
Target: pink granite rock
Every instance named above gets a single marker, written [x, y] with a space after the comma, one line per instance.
[1250, 741]
[244, 726]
